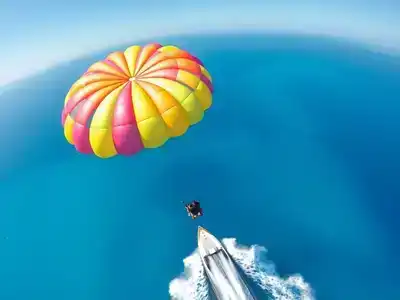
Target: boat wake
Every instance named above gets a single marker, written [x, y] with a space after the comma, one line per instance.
[192, 284]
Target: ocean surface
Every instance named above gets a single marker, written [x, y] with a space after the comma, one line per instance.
[299, 154]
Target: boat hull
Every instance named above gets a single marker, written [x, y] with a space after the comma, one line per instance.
[220, 269]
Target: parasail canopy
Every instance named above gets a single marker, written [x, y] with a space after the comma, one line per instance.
[136, 99]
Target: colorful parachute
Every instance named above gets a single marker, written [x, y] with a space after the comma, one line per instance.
[136, 99]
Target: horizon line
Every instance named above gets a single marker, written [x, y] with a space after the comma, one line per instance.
[338, 39]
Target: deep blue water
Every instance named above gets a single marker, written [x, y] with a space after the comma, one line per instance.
[303, 141]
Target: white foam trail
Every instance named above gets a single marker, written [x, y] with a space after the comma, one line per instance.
[253, 263]
[192, 285]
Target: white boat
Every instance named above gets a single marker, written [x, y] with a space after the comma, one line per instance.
[220, 269]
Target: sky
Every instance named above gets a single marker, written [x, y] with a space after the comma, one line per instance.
[36, 35]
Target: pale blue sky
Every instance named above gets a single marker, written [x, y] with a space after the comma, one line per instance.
[38, 34]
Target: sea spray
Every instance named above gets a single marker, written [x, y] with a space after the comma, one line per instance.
[252, 260]
[192, 284]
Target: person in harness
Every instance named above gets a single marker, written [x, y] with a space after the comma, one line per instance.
[194, 210]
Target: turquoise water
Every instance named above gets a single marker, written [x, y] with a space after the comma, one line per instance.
[302, 141]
